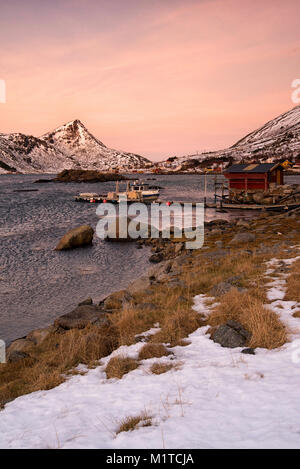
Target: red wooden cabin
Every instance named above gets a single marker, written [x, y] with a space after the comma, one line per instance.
[254, 176]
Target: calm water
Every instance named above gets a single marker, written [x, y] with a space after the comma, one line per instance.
[37, 284]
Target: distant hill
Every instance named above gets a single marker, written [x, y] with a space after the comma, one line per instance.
[70, 146]
[276, 140]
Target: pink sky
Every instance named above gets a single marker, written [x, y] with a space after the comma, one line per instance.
[159, 78]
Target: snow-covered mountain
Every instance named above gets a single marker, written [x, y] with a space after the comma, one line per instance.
[277, 139]
[69, 146]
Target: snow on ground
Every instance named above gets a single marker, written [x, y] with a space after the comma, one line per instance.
[216, 398]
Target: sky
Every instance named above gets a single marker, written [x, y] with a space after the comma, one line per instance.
[158, 78]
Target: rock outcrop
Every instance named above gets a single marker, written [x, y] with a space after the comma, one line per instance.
[77, 237]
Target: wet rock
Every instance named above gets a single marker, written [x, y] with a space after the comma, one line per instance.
[231, 335]
[80, 236]
[81, 317]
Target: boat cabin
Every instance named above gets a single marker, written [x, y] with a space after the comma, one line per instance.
[254, 176]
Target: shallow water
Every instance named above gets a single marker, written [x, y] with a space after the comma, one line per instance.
[37, 284]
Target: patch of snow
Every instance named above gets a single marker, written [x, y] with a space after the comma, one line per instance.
[218, 398]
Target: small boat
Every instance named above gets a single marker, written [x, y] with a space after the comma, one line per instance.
[136, 192]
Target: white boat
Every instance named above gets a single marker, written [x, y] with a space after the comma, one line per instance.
[138, 191]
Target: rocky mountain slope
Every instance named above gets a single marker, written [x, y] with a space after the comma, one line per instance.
[69, 146]
[276, 140]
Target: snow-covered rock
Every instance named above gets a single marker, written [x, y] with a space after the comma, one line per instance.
[70, 146]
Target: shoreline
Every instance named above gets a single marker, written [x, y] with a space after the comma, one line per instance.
[157, 246]
[165, 295]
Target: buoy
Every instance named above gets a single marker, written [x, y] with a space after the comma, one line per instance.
[168, 203]
[104, 201]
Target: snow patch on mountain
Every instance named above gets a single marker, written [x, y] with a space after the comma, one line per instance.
[70, 146]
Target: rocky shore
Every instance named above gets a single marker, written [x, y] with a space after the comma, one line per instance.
[166, 291]
[81, 175]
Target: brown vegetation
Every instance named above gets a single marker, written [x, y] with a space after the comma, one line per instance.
[119, 366]
[132, 422]
[158, 368]
[62, 351]
[152, 350]
[267, 331]
[293, 283]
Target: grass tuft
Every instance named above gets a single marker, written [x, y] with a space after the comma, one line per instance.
[267, 331]
[131, 423]
[158, 368]
[153, 350]
[119, 366]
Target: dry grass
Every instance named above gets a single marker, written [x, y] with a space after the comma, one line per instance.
[293, 283]
[58, 354]
[265, 326]
[62, 352]
[130, 423]
[177, 326]
[158, 368]
[153, 350]
[119, 366]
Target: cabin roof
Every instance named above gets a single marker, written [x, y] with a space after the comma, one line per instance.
[252, 168]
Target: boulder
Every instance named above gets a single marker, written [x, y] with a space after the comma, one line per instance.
[39, 335]
[243, 238]
[249, 351]
[220, 289]
[19, 345]
[117, 300]
[123, 235]
[160, 271]
[17, 356]
[231, 335]
[77, 237]
[156, 258]
[139, 285]
[81, 317]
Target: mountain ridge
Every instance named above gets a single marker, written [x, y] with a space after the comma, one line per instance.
[277, 139]
[70, 146]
